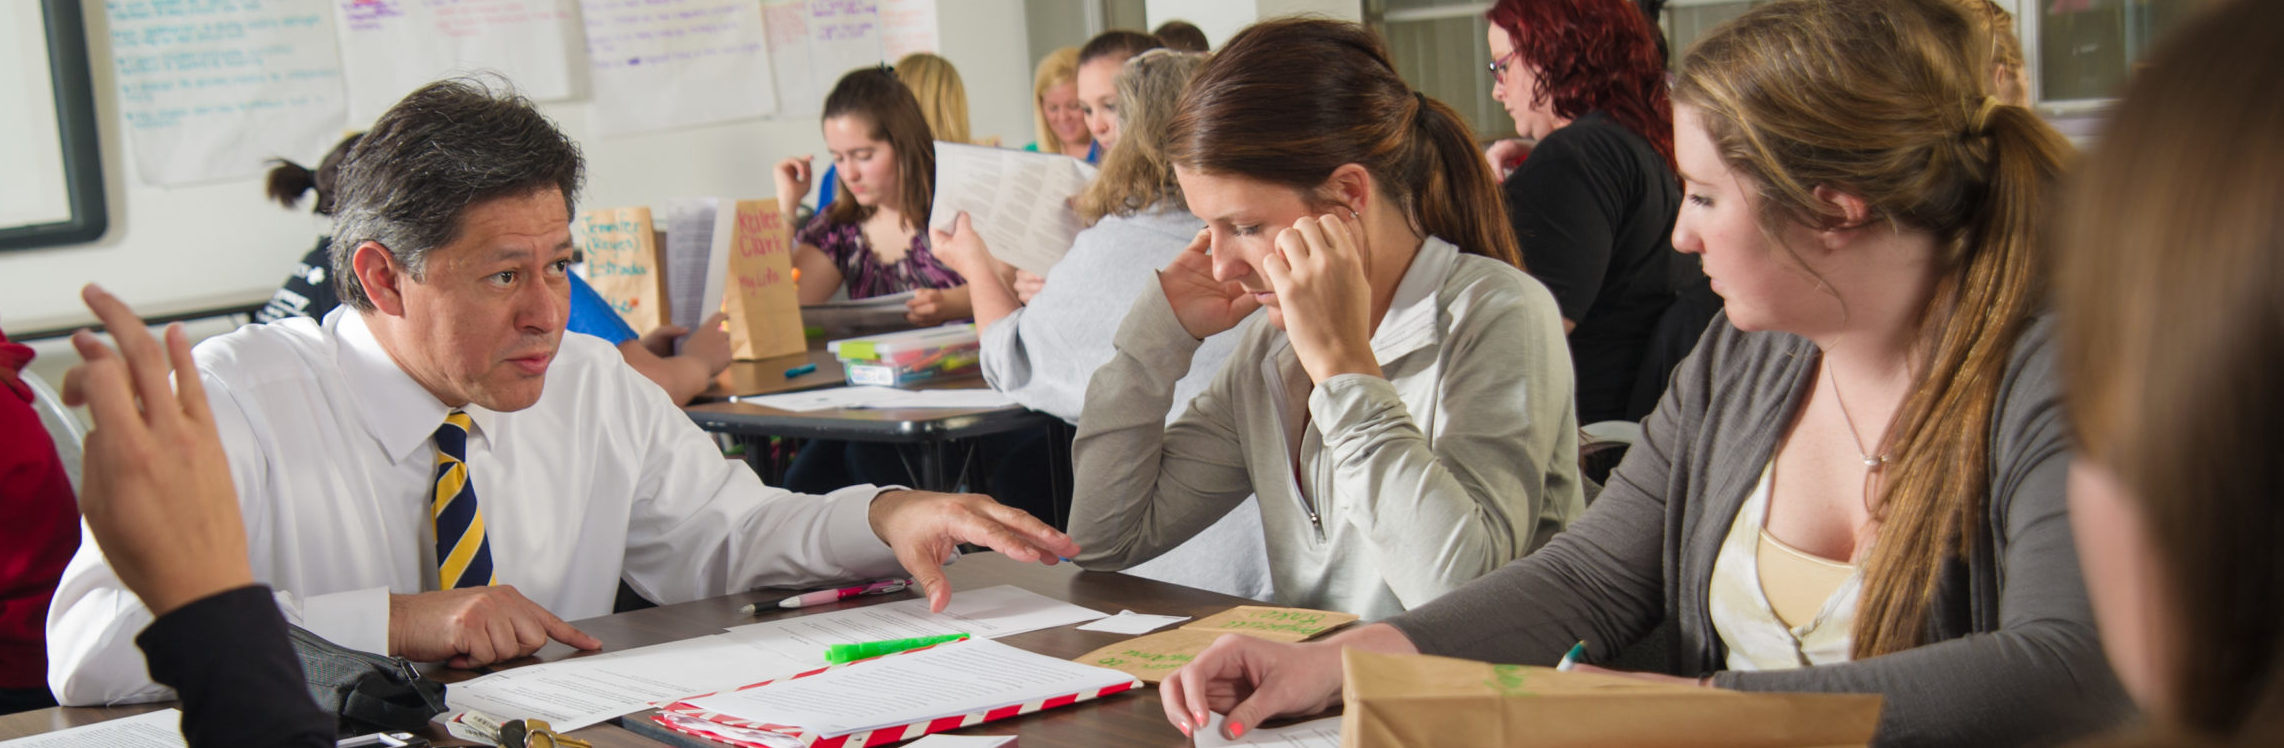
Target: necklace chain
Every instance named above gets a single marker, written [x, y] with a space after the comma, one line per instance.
[1872, 463]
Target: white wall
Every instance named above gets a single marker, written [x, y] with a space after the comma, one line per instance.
[1221, 19]
[170, 247]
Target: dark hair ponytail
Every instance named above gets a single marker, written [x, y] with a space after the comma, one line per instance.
[287, 182]
[1288, 101]
[1457, 197]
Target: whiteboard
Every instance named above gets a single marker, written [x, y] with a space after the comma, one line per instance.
[51, 184]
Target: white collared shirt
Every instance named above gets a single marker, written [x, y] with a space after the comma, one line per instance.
[331, 447]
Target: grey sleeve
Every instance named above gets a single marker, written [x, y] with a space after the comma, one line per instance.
[1602, 581]
[2041, 677]
[1009, 367]
[1142, 486]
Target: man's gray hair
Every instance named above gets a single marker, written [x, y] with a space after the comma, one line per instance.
[447, 146]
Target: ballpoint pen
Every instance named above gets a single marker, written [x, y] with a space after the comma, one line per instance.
[821, 597]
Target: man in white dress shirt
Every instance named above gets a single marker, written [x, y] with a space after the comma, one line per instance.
[561, 472]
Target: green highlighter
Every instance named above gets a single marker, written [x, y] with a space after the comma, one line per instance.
[840, 653]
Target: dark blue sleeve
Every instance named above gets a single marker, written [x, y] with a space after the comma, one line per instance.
[592, 315]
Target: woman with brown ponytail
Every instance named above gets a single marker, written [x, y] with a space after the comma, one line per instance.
[1404, 412]
[1856, 481]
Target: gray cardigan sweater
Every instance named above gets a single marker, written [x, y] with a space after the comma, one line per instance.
[2015, 659]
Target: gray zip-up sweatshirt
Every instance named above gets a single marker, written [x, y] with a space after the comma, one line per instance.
[1464, 457]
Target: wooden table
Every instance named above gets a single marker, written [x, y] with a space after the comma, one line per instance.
[1128, 719]
[767, 376]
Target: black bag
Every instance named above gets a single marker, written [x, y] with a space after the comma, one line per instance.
[369, 692]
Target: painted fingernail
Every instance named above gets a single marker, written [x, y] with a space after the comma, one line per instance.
[1199, 718]
[1185, 728]
[1236, 731]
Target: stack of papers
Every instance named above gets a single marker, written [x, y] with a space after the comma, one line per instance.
[900, 696]
[159, 729]
[879, 397]
[579, 692]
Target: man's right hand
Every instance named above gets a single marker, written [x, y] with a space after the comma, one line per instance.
[475, 626]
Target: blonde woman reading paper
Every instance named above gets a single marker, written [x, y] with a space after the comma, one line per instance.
[1042, 352]
[1880, 397]
[1404, 409]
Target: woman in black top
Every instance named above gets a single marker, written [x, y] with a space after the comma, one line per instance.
[1593, 204]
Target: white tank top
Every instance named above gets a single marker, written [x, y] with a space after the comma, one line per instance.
[1760, 633]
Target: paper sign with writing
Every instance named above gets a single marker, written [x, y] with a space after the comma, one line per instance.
[763, 304]
[1150, 658]
[1280, 624]
[622, 264]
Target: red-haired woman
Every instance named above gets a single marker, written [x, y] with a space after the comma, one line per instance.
[1593, 205]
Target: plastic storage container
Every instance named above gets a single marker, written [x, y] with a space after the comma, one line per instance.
[910, 357]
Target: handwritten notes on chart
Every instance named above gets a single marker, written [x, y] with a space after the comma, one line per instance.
[209, 91]
[390, 47]
[1151, 658]
[663, 64]
[622, 264]
[906, 26]
[764, 305]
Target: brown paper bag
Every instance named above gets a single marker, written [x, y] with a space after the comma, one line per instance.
[1417, 701]
[622, 264]
[763, 304]
[1151, 657]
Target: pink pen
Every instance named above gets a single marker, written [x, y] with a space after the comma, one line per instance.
[821, 597]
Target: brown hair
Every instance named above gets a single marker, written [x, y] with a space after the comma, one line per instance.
[874, 95]
[943, 99]
[1057, 68]
[2003, 53]
[1135, 173]
[1288, 101]
[1122, 43]
[2170, 255]
[1182, 36]
[1881, 99]
[288, 180]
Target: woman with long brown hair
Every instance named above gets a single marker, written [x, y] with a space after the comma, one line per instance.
[1403, 410]
[1856, 481]
[2170, 256]
[871, 240]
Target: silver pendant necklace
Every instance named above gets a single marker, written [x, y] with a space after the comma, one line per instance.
[1872, 462]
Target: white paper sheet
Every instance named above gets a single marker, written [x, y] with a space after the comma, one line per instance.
[843, 35]
[695, 262]
[663, 64]
[1130, 622]
[987, 613]
[950, 679]
[390, 47]
[940, 740]
[1018, 201]
[907, 26]
[1316, 733]
[825, 399]
[210, 91]
[879, 397]
[159, 729]
[584, 691]
[787, 23]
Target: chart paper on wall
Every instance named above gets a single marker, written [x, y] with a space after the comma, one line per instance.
[665, 64]
[211, 91]
[391, 47]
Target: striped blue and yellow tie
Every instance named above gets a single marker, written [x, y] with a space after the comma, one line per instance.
[463, 555]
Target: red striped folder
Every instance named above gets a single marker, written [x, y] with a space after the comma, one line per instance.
[683, 717]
